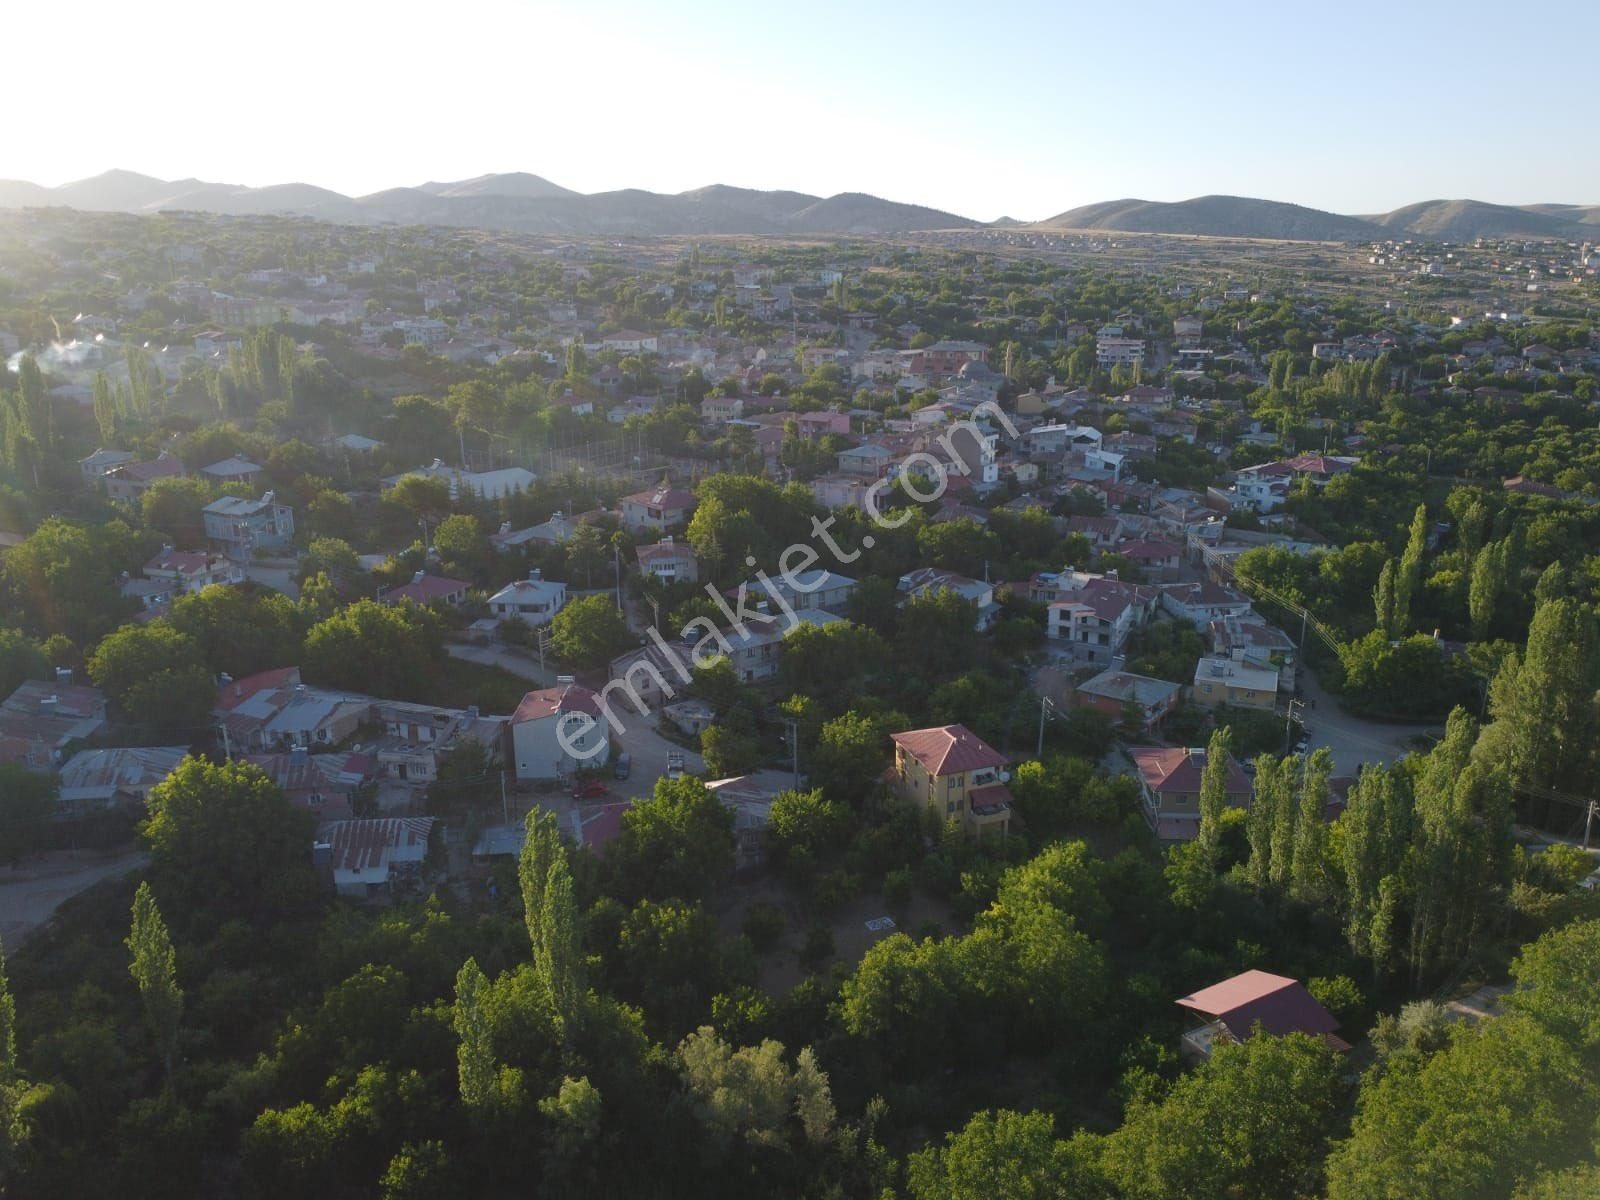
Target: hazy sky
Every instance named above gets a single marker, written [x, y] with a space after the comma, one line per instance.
[1016, 107]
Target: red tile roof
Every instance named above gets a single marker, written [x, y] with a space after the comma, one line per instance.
[547, 702]
[949, 749]
[1177, 769]
[231, 695]
[1277, 1003]
[426, 590]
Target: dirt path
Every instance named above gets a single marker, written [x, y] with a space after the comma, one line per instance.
[31, 893]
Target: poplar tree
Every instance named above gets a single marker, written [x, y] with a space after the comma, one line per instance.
[550, 909]
[1214, 793]
[155, 969]
[475, 1064]
[1409, 575]
[1308, 871]
[1383, 600]
[105, 408]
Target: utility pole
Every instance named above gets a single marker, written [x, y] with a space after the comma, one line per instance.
[1045, 706]
[616, 561]
[1588, 822]
[1288, 722]
[793, 726]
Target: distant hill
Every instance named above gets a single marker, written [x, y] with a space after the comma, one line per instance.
[516, 183]
[1240, 216]
[1217, 216]
[515, 202]
[1461, 220]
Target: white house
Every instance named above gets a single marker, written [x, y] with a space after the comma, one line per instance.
[536, 727]
[535, 599]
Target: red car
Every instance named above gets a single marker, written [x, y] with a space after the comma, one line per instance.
[593, 789]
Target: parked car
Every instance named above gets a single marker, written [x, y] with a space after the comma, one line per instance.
[589, 789]
[623, 766]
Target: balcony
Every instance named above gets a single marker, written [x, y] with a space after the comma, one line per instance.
[1197, 1044]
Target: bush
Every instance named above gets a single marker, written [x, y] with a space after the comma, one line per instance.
[897, 886]
[818, 947]
[763, 925]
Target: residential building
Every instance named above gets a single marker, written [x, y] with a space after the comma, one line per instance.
[324, 785]
[669, 561]
[101, 463]
[425, 589]
[811, 589]
[273, 711]
[192, 570]
[233, 469]
[131, 480]
[538, 749]
[536, 600]
[925, 581]
[1255, 1001]
[367, 858]
[954, 772]
[1111, 352]
[1115, 692]
[554, 532]
[1202, 603]
[488, 485]
[240, 527]
[1231, 681]
[40, 721]
[100, 779]
[1169, 781]
[661, 509]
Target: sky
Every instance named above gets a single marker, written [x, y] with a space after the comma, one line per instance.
[1021, 108]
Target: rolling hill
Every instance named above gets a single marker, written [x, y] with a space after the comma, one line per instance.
[515, 202]
[1240, 216]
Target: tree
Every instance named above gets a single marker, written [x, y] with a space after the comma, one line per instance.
[679, 843]
[551, 915]
[589, 632]
[1383, 600]
[1256, 1119]
[21, 659]
[238, 630]
[1000, 1156]
[806, 826]
[461, 543]
[1487, 583]
[1546, 728]
[1408, 575]
[751, 1093]
[850, 753]
[938, 632]
[155, 970]
[1309, 880]
[225, 843]
[156, 676]
[477, 1072]
[1214, 794]
[389, 650]
[27, 802]
[105, 409]
[173, 507]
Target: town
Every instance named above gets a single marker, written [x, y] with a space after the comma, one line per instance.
[1067, 688]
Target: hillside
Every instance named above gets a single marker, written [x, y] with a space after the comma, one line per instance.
[516, 202]
[1462, 220]
[1216, 216]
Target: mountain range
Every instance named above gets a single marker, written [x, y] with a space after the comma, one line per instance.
[522, 203]
[516, 202]
[1241, 216]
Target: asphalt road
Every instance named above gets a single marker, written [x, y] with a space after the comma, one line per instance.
[1354, 741]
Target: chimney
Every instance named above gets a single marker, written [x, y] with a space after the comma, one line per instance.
[566, 680]
[536, 575]
[64, 675]
[505, 527]
[297, 756]
[48, 705]
[418, 576]
[472, 711]
[269, 497]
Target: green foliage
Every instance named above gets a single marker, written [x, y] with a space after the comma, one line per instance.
[1256, 1119]
[155, 969]
[384, 650]
[27, 802]
[678, 843]
[224, 843]
[157, 678]
[589, 632]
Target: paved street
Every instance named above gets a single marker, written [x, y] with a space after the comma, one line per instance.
[518, 662]
[1353, 740]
